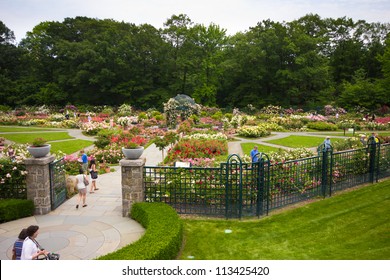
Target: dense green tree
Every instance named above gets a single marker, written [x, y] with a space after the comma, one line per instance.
[209, 43]
[305, 63]
[12, 66]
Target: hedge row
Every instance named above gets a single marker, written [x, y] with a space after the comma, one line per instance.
[13, 209]
[163, 236]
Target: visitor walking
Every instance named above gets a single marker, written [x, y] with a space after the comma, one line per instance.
[94, 175]
[82, 183]
[84, 160]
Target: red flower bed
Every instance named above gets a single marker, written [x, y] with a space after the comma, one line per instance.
[196, 149]
[384, 120]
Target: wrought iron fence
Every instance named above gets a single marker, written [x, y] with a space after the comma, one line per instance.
[57, 183]
[238, 189]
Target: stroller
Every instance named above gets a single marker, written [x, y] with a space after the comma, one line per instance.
[50, 256]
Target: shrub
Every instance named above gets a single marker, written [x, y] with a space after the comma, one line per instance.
[347, 144]
[322, 126]
[162, 239]
[12, 178]
[13, 209]
[252, 131]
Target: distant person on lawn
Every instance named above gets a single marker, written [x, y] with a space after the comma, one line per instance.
[327, 143]
[254, 154]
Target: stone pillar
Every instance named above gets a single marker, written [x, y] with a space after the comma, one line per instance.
[38, 183]
[132, 183]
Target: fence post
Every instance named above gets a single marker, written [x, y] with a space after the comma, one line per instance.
[38, 183]
[262, 186]
[324, 152]
[373, 152]
[132, 183]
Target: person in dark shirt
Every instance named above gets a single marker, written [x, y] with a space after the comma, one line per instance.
[18, 245]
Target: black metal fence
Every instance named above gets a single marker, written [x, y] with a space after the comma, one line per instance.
[237, 189]
[57, 183]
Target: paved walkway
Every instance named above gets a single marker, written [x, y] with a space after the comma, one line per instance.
[84, 233]
[99, 228]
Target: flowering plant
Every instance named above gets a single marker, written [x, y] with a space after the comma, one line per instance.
[38, 142]
[135, 142]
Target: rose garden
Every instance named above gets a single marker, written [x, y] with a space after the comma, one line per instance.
[199, 136]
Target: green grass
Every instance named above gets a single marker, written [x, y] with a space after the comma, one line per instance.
[70, 146]
[353, 225]
[294, 141]
[247, 147]
[23, 138]
[23, 129]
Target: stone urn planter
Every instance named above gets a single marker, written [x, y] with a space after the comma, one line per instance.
[38, 152]
[133, 153]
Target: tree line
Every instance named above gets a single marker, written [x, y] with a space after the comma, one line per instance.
[304, 63]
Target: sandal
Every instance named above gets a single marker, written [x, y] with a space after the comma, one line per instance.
[96, 189]
[85, 205]
[77, 206]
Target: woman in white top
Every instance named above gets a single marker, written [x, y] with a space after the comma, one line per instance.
[30, 249]
[81, 187]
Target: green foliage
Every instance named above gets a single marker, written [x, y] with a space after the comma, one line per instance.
[104, 136]
[347, 144]
[102, 142]
[162, 239]
[39, 142]
[13, 209]
[322, 126]
[12, 177]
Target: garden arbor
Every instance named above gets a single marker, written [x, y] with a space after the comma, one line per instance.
[181, 106]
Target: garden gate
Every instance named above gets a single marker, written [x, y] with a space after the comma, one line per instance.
[57, 183]
[233, 190]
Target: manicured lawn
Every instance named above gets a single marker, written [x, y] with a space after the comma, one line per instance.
[70, 146]
[247, 147]
[294, 141]
[23, 138]
[22, 129]
[353, 225]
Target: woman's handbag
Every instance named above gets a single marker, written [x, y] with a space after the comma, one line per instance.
[94, 174]
[86, 182]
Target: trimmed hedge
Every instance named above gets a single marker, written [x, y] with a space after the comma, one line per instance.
[163, 236]
[13, 209]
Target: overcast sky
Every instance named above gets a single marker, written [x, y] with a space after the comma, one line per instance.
[233, 15]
